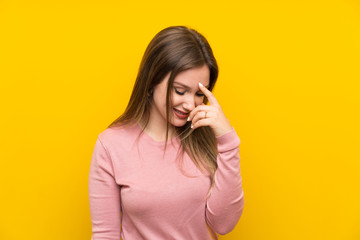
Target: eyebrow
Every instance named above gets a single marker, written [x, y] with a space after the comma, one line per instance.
[186, 86]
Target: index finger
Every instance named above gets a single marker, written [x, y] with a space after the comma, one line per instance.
[210, 96]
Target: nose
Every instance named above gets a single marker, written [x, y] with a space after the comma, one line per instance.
[189, 103]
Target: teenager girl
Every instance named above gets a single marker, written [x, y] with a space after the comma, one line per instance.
[168, 167]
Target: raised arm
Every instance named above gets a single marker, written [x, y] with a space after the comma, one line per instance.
[104, 196]
[226, 202]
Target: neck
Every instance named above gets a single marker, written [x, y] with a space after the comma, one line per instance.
[156, 127]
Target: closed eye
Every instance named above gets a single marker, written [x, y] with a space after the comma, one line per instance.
[199, 94]
[178, 92]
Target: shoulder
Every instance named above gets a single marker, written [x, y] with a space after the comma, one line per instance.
[119, 136]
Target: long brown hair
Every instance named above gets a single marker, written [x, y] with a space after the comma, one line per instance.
[173, 50]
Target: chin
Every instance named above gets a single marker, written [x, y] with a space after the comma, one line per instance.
[178, 123]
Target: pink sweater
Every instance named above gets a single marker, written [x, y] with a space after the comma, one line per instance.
[136, 192]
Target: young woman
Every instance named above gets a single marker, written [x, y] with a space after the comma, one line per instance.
[168, 167]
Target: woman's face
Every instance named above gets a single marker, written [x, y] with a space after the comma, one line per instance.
[186, 95]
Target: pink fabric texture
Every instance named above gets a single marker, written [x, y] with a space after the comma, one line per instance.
[136, 191]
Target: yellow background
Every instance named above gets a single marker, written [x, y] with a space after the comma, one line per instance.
[289, 83]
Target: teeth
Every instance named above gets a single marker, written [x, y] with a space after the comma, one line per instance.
[179, 112]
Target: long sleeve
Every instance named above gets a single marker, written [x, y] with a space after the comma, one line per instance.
[104, 196]
[225, 204]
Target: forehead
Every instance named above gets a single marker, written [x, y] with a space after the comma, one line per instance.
[193, 76]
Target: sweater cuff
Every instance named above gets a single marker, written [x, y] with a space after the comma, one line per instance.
[228, 141]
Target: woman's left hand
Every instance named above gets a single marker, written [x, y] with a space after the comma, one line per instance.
[210, 115]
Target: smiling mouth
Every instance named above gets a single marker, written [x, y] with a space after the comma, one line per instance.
[180, 112]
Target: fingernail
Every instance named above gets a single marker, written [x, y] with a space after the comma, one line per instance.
[200, 84]
[192, 126]
[188, 119]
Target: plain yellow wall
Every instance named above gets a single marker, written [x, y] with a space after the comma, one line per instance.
[289, 83]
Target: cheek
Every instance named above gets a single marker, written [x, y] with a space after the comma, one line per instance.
[175, 100]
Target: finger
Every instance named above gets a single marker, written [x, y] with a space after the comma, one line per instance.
[201, 123]
[199, 116]
[198, 109]
[210, 96]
